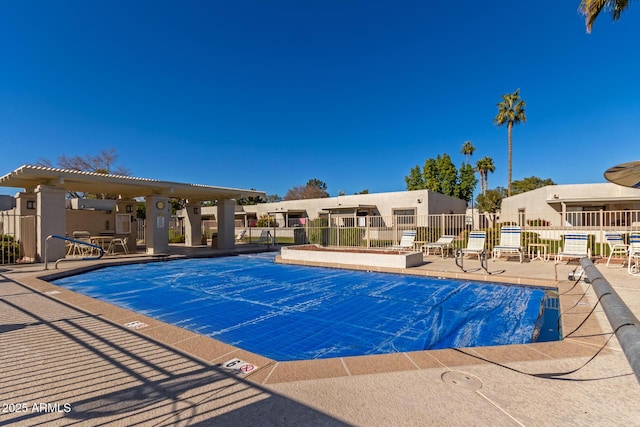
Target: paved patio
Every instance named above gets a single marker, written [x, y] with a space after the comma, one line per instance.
[69, 360]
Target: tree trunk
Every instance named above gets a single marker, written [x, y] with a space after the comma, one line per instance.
[509, 129]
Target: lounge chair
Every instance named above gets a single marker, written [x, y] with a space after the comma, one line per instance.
[265, 237]
[634, 254]
[617, 246]
[443, 244]
[475, 245]
[240, 235]
[406, 242]
[509, 242]
[576, 245]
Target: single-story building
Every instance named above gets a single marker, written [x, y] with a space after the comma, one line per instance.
[574, 205]
[348, 211]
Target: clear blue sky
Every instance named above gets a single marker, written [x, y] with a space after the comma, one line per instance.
[268, 94]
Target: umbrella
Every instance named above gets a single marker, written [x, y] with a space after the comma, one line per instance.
[626, 174]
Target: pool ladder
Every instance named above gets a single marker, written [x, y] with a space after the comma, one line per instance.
[75, 242]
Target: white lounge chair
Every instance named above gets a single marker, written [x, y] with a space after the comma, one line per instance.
[617, 246]
[475, 245]
[265, 237]
[240, 235]
[406, 242]
[509, 242]
[443, 244]
[634, 254]
[576, 245]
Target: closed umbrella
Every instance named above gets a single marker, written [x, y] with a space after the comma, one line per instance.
[626, 174]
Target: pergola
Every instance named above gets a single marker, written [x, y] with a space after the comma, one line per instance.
[50, 185]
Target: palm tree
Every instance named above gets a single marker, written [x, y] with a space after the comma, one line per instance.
[467, 150]
[511, 112]
[592, 8]
[483, 167]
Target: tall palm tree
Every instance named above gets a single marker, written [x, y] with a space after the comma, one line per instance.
[510, 111]
[467, 150]
[483, 167]
[592, 8]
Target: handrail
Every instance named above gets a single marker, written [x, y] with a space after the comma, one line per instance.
[624, 323]
[75, 241]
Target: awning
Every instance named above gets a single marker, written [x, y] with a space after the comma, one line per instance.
[29, 177]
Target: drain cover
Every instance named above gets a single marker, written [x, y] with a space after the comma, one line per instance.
[462, 379]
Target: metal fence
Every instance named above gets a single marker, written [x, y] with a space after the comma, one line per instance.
[12, 249]
[382, 231]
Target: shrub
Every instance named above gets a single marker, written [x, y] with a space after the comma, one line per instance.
[9, 249]
[175, 237]
[538, 222]
[266, 221]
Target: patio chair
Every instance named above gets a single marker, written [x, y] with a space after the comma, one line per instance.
[118, 241]
[617, 246]
[475, 245]
[509, 242]
[443, 244]
[576, 245]
[406, 242]
[634, 254]
[78, 248]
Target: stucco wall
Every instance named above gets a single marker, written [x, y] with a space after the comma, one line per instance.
[547, 202]
[423, 201]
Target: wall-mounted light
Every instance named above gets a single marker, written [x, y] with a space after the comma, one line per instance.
[31, 204]
[129, 208]
[419, 200]
[196, 210]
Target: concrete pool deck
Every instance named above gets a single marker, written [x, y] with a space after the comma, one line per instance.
[69, 360]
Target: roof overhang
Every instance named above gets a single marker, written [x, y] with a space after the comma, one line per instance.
[348, 208]
[30, 177]
[287, 211]
[593, 201]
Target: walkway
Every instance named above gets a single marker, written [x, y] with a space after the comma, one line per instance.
[69, 360]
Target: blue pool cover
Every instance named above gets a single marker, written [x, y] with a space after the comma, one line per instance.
[289, 312]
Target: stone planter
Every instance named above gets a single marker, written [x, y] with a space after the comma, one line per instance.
[360, 257]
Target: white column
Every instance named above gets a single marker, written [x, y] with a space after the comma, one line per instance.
[192, 224]
[157, 224]
[226, 223]
[51, 219]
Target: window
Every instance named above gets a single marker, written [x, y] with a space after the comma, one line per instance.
[123, 224]
[405, 216]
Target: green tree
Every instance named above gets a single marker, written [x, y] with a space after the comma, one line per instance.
[430, 175]
[441, 176]
[490, 201]
[414, 180]
[447, 175]
[468, 149]
[592, 8]
[483, 167]
[528, 184]
[510, 112]
[466, 183]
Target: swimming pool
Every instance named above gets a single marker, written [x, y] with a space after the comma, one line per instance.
[287, 312]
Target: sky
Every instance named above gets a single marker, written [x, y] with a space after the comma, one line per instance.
[269, 94]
